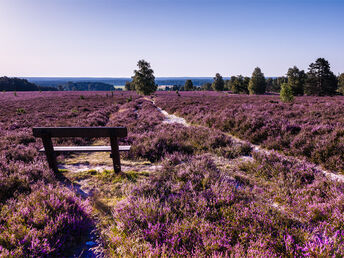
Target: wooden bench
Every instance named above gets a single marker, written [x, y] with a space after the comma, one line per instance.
[46, 133]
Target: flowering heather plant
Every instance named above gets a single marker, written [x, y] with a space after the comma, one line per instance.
[192, 208]
[45, 222]
[204, 201]
[170, 138]
[152, 140]
[311, 127]
[40, 217]
[139, 116]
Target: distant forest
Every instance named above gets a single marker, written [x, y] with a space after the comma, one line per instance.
[86, 86]
[16, 84]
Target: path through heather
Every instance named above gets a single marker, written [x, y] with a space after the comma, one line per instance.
[91, 174]
[172, 118]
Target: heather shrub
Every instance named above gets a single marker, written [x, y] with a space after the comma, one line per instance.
[12, 185]
[39, 217]
[21, 153]
[235, 151]
[43, 223]
[276, 167]
[305, 129]
[167, 139]
[100, 117]
[190, 208]
[19, 137]
[139, 116]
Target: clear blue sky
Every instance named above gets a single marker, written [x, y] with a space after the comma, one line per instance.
[106, 38]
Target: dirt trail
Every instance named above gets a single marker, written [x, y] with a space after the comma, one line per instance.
[256, 148]
[173, 119]
[78, 170]
[79, 164]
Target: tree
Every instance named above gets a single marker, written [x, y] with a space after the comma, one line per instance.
[274, 84]
[206, 86]
[17, 84]
[320, 79]
[129, 86]
[218, 83]
[239, 84]
[188, 85]
[341, 84]
[143, 79]
[286, 93]
[257, 83]
[296, 80]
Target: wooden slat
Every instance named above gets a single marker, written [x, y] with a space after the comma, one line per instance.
[80, 132]
[87, 148]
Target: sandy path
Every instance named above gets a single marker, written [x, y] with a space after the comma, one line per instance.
[171, 118]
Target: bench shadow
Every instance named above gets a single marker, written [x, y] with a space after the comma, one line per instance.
[73, 186]
[88, 246]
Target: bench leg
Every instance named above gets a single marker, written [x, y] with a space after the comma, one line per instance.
[115, 155]
[49, 152]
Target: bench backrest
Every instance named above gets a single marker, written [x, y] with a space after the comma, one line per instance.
[80, 132]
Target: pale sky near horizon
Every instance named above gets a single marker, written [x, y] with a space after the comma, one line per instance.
[104, 38]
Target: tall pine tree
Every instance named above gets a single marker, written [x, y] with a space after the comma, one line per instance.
[257, 83]
[321, 81]
[218, 83]
[188, 85]
[296, 80]
[239, 84]
[341, 84]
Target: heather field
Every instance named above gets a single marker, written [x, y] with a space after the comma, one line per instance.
[240, 176]
[311, 127]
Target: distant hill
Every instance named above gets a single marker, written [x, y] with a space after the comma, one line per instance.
[86, 86]
[17, 84]
[56, 81]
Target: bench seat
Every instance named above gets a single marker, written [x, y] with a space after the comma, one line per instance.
[47, 133]
[87, 148]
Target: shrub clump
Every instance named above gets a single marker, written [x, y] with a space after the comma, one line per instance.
[43, 223]
[286, 93]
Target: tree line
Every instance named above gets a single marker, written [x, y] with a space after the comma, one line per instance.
[318, 81]
[17, 84]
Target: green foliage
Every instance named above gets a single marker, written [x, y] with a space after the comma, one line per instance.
[21, 111]
[296, 80]
[129, 86]
[341, 84]
[218, 83]
[239, 84]
[85, 86]
[16, 84]
[274, 84]
[257, 83]
[188, 85]
[321, 81]
[143, 79]
[206, 86]
[286, 93]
